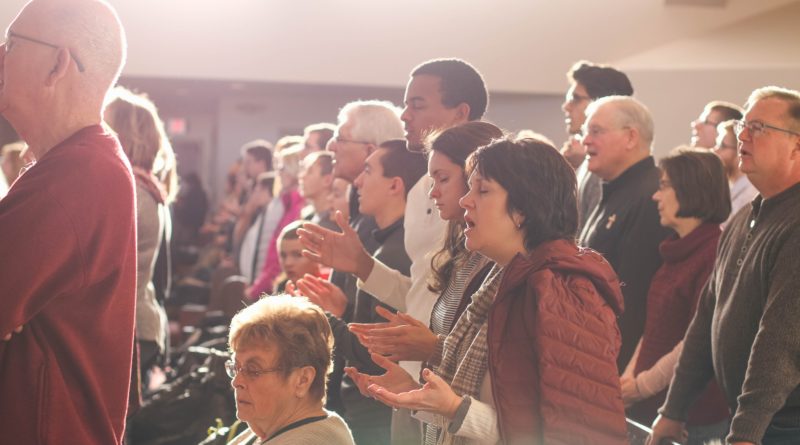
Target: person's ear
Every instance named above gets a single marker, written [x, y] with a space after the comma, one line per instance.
[303, 378]
[518, 218]
[59, 70]
[632, 138]
[327, 180]
[462, 112]
[398, 186]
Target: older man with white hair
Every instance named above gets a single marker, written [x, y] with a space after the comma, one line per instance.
[67, 231]
[624, 226]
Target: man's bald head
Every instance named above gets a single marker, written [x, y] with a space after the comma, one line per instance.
[89, 29]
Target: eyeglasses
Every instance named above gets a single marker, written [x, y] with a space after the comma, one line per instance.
[232, 370]
[756, 128]
[705, 122]
[339, 140]
[595, 131]
[575, 98]
[7, 45]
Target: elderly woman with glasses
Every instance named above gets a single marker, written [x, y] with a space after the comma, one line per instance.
[281, 349]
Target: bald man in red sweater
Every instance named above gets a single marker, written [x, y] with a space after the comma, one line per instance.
[67, 231]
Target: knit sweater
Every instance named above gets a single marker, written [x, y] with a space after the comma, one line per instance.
[746, 331]
[329, 431]
[68, 243]
[671, 304]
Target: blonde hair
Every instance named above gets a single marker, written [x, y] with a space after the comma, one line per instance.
[296, 328]
[134, 118]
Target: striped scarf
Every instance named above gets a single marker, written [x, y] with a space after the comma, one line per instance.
[465, 353]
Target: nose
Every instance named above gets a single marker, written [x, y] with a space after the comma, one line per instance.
[405, 116]
[359, 180]
[566, 106]
[237, 382]
[466, 201]
[744, 135]
[434, 191]
[657, 195]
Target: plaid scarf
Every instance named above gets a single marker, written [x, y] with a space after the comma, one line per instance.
[464, 356]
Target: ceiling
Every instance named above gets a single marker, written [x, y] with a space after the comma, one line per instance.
[521, 46]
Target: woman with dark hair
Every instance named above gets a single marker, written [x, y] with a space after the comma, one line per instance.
[456, 272]
[693, 200]
[533, 358]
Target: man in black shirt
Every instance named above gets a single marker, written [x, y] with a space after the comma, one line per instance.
[624, 226]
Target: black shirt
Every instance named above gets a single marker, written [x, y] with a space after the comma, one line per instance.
[625, 228]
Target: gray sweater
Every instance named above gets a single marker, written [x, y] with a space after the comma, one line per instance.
[330, 431]
[747, 328]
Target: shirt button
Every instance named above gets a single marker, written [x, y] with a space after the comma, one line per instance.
[739, 262]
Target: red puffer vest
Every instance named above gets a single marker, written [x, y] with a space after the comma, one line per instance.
[553, 344]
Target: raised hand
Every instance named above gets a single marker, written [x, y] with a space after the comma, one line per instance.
[323, 293]
[395, 378]
[341, 251]
[435, 396]
[401, 338]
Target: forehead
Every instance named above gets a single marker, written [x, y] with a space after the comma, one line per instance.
[374, 159]
[424, 87]
[577, 88]
[290, 244]
[437, 160]
[602, 115]
[712, 114]
[770, 110]
[256, 352]
[312, 138]
[345, 126]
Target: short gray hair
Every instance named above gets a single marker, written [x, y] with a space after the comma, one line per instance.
[629, 112]
[374, 121]
[791, 97]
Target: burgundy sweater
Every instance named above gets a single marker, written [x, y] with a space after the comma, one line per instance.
[68, 275]
[671, 304]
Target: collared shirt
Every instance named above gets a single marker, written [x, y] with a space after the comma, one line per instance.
[742, 193]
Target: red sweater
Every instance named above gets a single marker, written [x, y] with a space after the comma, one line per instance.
[68, 244]
[553, 343]
[671, 304]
